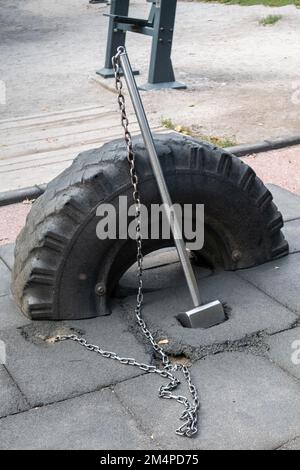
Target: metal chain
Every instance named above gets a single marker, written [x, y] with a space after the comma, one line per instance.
[190, 415]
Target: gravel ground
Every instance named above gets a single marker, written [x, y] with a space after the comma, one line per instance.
[243, 78]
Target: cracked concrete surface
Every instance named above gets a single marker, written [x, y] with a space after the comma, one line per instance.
[251, 312]
[45, 333]
[292, 445]
[246, 403]
[248, 383]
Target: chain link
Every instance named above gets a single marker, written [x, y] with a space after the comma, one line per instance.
[190, 415]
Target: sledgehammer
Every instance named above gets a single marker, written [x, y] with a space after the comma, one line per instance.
[202, 315]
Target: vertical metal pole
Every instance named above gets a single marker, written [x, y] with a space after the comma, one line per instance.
[159, 176]
[161, 68]
[161, 73]
[114, 38]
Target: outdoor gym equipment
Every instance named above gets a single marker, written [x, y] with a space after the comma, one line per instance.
[63, 271]
[168, 370]
[72, 213]
[159, 25]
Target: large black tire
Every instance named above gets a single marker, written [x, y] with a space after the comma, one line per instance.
[59, 259]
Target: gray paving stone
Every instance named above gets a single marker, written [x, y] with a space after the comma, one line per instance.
[10, 315]
[291, 232]
[11, 399]
[283, 350]
[293, 445]
[280, 279]
[48, 372]
[7, 254]
[5, 276]
[251, 311]
[93, 421]
[246, 403]
[288, 203]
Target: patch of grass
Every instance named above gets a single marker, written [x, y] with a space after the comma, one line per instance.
[168, 123]
[219, 141]
[270, 20]
[184, 130]
[270, 3]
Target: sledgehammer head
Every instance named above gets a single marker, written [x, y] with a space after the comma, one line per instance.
[204, 316]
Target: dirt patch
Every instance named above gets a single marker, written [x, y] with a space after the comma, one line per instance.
[44, 333]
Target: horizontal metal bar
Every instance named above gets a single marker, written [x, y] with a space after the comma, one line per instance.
[128, 20]
[146, 30]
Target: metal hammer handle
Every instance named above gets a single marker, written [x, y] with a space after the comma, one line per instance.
[159, 176]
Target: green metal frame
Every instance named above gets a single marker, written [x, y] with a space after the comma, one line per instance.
[159, 25]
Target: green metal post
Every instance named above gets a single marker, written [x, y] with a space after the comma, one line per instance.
[161, 73]
[115, 38]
